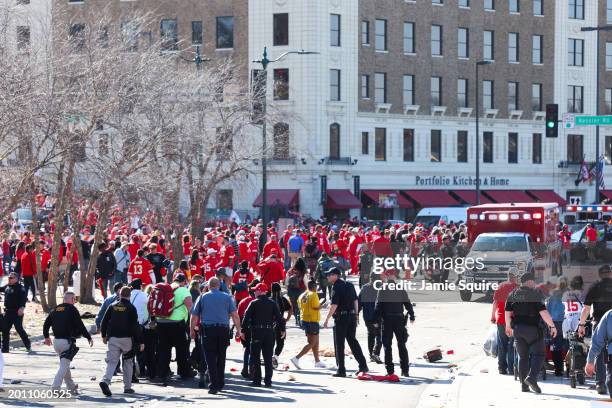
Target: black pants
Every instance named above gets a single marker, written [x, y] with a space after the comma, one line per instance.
[344, 329]
[262, 342]
[28, 283]
[395, 326]
[247, 365]
[280, 342]
[529, 343]
[171, 334]
[146, 358]
[374, 338]
[216, 341]
[11, 319]
[202, 367]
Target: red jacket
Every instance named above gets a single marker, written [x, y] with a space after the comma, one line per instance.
[267, 249]
[243, 305]
[28, 264]
[271, 271]
[499, 297]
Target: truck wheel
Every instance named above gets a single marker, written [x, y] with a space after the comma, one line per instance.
[465, 295]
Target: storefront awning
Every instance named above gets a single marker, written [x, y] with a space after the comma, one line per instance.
[375, 195]
[341, 200]
[508, 196]
[547, 196]
[606, 193]
[431, 198]
[469, 196]
[290, 198]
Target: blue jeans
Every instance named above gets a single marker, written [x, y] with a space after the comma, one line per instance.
[505, 350]
[600, 368]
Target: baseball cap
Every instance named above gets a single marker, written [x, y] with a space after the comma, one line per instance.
[333, 271]
[261, 287]
[179, 277]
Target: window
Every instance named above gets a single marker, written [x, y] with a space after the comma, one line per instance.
[380, 144]
[536, 49]
[488, 101]
[334, 30]
[258, 90]
[365, 143]
[436, 40]
[408, 145]
[463, 43]
[462, 93]
[280, 23]
[225, 32]
[462, 146]
[334, 84]
[365, 33]
[365, 86]
[437, 1]
[23, 1]
[23, 37]
[129, 32]
[489, 4]
[536, 148]
[408, 38]
[513, 96]
[513, 147]
[608, 11]
[513, 50]
[536, 97]
[408, 90]
[77, 37]
[576, 9]
[380, 87]
[169, 35]
[488, 51]
[487, 147]
[381, 35]
[608, 100]
[574, 149]
[608, 56]
[538, 8]
[334, 141]
[464, 3]
[436, 91]
[608, 147]
[436, 145]
[225, 200]
[281, 141]
[574, 99]
[514, 6]
[196, 32]
[575, 52]
[281, 84]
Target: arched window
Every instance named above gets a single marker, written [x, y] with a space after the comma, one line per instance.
[334, 141]
[281, 141]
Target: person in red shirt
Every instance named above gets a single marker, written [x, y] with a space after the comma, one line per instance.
[241, 281]
[45, 258]
[186, 246]
[133, 247]
[322, 241]
[565, 236]
[270, 245]
[243, 249]
[141, 268]
[591, 237]
[354, 249]
[505, 347]
[210, 263]
[381, 246]
[196, 265]
[28, 271]
[228, 257]
[271, 270]
[247, 368]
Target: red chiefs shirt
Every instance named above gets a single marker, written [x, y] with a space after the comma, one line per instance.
[242, 278]
[243, 305]
[271, 271]
[210, 263]
[591, 234]
[133, 249]
[28, 264]
[197, 268]
[267, 250]
[140, 268]
[500, 296]
[45, 257]
[228, 255]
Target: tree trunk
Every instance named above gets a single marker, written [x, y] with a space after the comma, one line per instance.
[38, 273]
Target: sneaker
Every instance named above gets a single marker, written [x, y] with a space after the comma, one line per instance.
[213, 391]
[339, 374]
[75, 390]
[105, 389]
[601, 389]
[129, 391]
[320, 364]
[533, 384]
[503, 372]
[296, 362]
[375, 358]
[524, 388]
[275, 361]
[29, 350]
[255, 384]
[268, 385]
[405, 373]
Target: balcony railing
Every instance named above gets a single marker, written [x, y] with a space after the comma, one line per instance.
[282, 161]
[572, 165]
[337, 161]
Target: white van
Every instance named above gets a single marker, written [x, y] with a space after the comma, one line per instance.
[433, 215]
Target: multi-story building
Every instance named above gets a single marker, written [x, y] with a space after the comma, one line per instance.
[384, 114]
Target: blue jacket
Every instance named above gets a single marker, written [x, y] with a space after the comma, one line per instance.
[107, 302]
[602, 337]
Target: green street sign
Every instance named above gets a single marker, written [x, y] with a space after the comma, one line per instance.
[593, 120]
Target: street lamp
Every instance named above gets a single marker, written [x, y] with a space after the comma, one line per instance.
[597, 29]
[265, 61]
[198, 59]
[478, 65]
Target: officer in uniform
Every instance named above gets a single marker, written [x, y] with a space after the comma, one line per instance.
[525, 311]
[15, 298]
[389, 308]
[259, 318]
[120, 330]
[345, 310]
[367, 301]
[67, 326]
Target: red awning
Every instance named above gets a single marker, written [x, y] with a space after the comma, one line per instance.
[341, 200]
[606, 193]
[374, 195]
[469, 196]
[508, 196]
[547, 196]
[431, 198]
[290, 198]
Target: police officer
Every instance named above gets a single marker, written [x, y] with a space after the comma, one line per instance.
[15, 298]
[389, 308]
[524, 312]
[260, 317]
[345, 310]
[67, 326]
[120, 330]
[367, 301]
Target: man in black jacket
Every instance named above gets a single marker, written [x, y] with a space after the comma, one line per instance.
[120, 330]
[106, 264]
[67, 326]
[15, 298]
[259, 319]
[159, 261]
[367, 301]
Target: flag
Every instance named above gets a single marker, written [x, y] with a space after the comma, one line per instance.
[584, 174]
[600, 173]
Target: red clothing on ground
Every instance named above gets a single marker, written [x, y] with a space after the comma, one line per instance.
[499, 297]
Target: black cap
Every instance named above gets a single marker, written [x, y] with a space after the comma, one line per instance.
[527, 277]
[179, 277]
[333, 271]
[117, 286]
[136, 283]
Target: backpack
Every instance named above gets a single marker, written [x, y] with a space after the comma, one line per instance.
[161, 300]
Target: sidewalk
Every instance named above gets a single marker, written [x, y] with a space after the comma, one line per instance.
[476, 383]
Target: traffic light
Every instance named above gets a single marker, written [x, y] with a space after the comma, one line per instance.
[552, 120]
